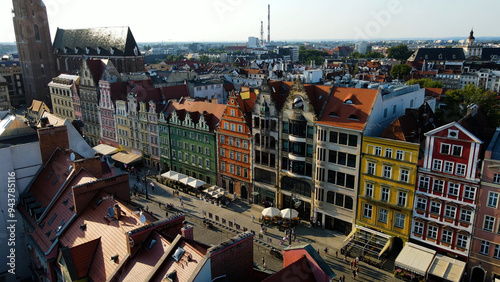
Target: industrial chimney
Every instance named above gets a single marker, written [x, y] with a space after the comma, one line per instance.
[268, 23]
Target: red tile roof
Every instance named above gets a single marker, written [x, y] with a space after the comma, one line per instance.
[82, 256]
[300, 270]
[340, 112]
[213, 111]
[112, 234]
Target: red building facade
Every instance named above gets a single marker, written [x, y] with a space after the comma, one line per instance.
[448, 183]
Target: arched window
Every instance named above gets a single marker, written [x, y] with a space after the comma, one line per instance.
[37, 32]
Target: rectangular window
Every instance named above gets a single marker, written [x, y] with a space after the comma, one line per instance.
[492, 199]
[402, 198]
[369, 190]
[207, 151]
[453, 188]
[399, 155]
[233, 127]
[462, 240]
[343, 139]
[465, 215]
[470, 193]
[333, 137]
[223, 166]
[456, 151]
[447, 235]
[404, 175]
[245, 144]
[353, 140]
[489, 223]
[435, 207]
[400, 220]
[378, 151]
[240, 128]
[230, 139]
[370, 169]
[432, 231]
[424, 183]
[382, 215]
[448, 167]
[222, 139]
[207, 163]
[367, 211]
[450, 211]
[384, 195]
[418, 227]
[438, 186]
[437, 164]
[461, 169]
[388, 153]
[226, 125]
[421, 203]
[387, 172]
[485, 248]
[496, 178]
[496, 252]
[238, 143]
[445, 149]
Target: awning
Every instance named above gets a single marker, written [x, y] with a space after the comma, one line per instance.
[447, 268]
[371, 241]
[126, 158]
[105, 150]
[415, 258]
[173, 175]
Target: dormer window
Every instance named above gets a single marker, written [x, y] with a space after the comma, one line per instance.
[348, 102]
[333, 114]
[98, 50]
[87, 50]
[112, 50]
[353, 117]
[76, 50]
[453, 134]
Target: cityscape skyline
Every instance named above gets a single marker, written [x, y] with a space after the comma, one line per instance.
[236, 20]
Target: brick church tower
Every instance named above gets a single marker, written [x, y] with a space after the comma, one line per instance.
[34, 46]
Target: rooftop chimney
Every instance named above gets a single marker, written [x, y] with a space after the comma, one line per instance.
[118, 211]
[52, 138]
[188, 232]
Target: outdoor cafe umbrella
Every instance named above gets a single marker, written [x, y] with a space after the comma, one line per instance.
[289, 213]
[169, 174]
[270, 212]
[178, 176]
[187, 180]
[195, 183]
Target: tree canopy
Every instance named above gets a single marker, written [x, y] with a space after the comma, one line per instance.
[368, 55]
[426, 83]
[306, 56]
[204, 59]
[457, 101]
[400, 71]
[399, 52]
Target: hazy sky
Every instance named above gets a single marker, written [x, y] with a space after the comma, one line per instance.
[236, 20]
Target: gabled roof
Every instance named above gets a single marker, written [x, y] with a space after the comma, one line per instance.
[300, 269]
[291, 254]
[103, 41]
[490, 54]
[37, 106]
[348, 107]
[211, 111]
[453, 125]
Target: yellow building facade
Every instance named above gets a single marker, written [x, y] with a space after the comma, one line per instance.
[387, 186]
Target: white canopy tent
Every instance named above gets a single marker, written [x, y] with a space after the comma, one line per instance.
[270, 212]
[447, 268]
[415, 258]
[289, 213]
[195, 183]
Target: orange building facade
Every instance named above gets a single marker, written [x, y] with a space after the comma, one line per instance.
[234, 142]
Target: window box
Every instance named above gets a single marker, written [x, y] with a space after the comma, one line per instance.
[434, 215]
[461, 249]
[449, 220]
[445, 244]
[464, 224]
[420, 211]
[431, 239]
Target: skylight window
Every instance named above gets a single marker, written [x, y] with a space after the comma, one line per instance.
[178, 254]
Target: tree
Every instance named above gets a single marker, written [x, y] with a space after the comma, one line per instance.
[425, 83]
[306, 56]
[400, 71]
[356, 55]
[374, 55]
[204, 59]
[399, 52]
[457, 101]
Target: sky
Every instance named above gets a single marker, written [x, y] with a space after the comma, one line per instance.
[235, 20]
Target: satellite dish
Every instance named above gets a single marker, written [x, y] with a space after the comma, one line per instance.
[111, 212]
[142, 218]
[72, 157]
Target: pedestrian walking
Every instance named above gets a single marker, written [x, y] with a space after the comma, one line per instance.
[357, 260]
[336, 254]
[147, 208]
[357, 269]
[326, 251]
[253, 217]
[343, 278]
[354, 274]
[166, 213]
[234, 222]
[263, 260]
[317, 251]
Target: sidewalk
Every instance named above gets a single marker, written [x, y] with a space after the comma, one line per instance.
[236, 217]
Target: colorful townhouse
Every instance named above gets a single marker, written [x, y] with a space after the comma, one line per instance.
[62, 90]
[234, 140]
[109, 92]
[188, 139]
[445, 204]
[388, 178]
[484, 257]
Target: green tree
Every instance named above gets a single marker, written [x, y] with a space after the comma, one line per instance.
[374, 55]
[425, 83]
[399, 52]
[457, 101]
[204, 59]
[306, 56]
[400, 71]
[357, 55]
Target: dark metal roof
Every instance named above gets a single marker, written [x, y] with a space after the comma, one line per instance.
[104, 41]
[439, 54]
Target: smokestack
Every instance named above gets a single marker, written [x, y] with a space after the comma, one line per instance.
[261, 33]
[268, 23]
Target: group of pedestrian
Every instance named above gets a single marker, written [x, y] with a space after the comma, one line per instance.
[342, 279]
[354, 265]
